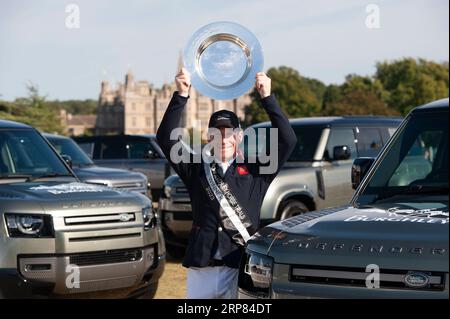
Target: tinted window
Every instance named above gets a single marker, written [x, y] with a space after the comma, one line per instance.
[307, 141]
[304, 151]
[369, 141]
[125, 148]
[139, 149]
[87, 147]
[113, 149]
[386, 133]
[26, 152]
[419, 161]
[68, 147]
[340, 137]
[418, 156]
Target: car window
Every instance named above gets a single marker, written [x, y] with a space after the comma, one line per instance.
[307, 140]
[113, 149]
[340, 137]
[26, 152]
[66, 146]
[157, 148]
[386, 133]
[369, 141]
[88, 148]
[418, 156]
[418, 162]
[140, 149]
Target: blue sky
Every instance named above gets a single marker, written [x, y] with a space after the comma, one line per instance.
[322, 39]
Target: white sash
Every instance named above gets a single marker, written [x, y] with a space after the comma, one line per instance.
[232, 215]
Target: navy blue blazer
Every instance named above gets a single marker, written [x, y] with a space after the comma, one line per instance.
[246, 183]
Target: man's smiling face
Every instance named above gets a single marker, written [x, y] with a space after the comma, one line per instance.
[225, 142]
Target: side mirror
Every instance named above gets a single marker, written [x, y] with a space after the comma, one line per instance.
[341, 153]
[68, 160]
[360, 167]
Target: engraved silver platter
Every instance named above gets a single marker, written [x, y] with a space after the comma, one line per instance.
[223, 59]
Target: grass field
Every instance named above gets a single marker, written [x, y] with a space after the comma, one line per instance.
[172, 284]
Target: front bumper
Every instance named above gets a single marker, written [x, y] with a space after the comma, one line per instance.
[327, 292]
[53, 275]
[283, 288]
[176, 218]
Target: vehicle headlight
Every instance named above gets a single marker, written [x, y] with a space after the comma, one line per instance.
[26, 225]
[259, 268]
[149, 217]
[167, 191]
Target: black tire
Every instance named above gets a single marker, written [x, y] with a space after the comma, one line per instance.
[292, 207]
[151, 291]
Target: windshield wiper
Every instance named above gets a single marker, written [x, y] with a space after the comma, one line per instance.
[416, 190]
[427, 189]
[49, 175]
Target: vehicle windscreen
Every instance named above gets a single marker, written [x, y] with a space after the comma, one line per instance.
[25, 152]
[416, 163]
[65, 146]
[304, 151]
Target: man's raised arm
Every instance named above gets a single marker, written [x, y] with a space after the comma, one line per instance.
[286, 135]
[171, 121]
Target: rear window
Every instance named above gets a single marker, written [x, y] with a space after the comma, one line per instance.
[113, 149]
[123, 148]
[304, 151]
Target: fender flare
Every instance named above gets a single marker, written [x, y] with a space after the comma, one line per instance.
[273, 208]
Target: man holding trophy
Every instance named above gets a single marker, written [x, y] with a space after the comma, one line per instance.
[226, 188]
[226, 196]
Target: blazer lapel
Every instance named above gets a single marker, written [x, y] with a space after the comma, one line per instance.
[209, 193]
[231, 170]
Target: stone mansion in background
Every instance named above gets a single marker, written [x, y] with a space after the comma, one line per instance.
[135, 107]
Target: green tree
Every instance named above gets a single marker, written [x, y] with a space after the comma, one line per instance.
[32, 110]
[75, 107]
[297, 96]
[359, 102]
[358, 95]
[410, 82]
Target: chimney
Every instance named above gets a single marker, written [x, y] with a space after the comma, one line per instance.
[129, 79]
[105, 87]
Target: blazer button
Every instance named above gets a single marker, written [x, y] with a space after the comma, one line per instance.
[219, 229]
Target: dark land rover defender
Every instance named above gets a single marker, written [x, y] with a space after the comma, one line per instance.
[391, 241]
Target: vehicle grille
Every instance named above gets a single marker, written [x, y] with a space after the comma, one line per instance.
[100, 219]
[345, 276]
[106, 257]
[128, 185]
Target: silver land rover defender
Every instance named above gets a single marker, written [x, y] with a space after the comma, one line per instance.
[88, 172]
[60, 237]
[391, 241]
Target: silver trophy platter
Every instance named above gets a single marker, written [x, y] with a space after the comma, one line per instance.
[223, 59]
